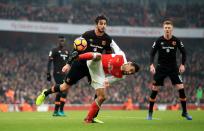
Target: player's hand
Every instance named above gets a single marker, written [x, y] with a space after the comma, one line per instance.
[97, 56]
[152, 69]
[106, 83]
[181, 68]
[66, 68]
[49, 76]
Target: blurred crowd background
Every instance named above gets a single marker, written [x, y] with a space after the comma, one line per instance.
[24, 56]
[145, 13]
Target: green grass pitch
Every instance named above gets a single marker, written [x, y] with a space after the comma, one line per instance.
[114, 121]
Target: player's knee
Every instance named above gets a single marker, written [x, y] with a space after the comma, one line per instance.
[155, 88]
[179, 86]
[101, 98]
[64, 87]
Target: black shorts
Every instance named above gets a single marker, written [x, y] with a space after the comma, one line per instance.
[78, 70]
[163, 72]
[59, 77]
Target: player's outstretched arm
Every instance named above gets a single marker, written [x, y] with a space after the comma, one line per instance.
[89, 56]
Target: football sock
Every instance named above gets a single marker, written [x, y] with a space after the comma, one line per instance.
[152, 100]
[53, 89]
[96, 114]
[92, 111]
[62, 100]
[182, 97]
[57, 105]
[57, 102]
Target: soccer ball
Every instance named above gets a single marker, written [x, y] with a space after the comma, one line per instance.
[80, 44]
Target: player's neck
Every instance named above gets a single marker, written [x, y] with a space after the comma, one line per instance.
[60, 47]
[167, 37]
[98, 33]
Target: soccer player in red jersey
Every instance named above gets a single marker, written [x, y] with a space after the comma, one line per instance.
[98, 41]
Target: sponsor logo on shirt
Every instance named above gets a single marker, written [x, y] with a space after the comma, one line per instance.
[173, 43]
[103, 43]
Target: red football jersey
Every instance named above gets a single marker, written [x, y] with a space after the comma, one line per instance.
[112, 64]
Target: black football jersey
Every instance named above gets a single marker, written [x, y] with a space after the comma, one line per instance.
[167, 51]
[97, 43]
[59, 57]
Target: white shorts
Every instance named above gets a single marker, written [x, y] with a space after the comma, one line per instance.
[97, 73]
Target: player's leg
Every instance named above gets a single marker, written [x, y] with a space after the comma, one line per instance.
[182, 97]
[97, 80]
[78, 70]
[177, 81]
[56, 88]
[57, 105]
[95, 106]
[63, 96]
[158, 81]
[152, 100]
[58, 80]
[98, 111]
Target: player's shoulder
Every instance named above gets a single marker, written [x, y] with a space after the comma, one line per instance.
[107, 37]
[159, 40]
[54, 49]
[175, 38]
[88, 33]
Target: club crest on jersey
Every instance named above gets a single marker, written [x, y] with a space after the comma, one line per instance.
[91, 40]
[94, 49]
[173, 43]
[162, 43]
[103, 43]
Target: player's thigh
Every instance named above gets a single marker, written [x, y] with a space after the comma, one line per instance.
[58, 78]
[159, 77]
[78, 71]
[176, 78]
[97, 73]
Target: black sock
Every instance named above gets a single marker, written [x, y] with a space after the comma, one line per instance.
[62, 100]
[57, 102]
[96, 114]
[182, 97]
[152, 100]
[53, 89]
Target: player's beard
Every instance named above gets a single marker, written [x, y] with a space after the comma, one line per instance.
[61, 45]
[101, 30]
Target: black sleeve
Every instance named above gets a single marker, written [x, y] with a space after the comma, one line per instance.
[183, 52]
[153, 52]
[72, 56]
[50, 59]
[108, 49]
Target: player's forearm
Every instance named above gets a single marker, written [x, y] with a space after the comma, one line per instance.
[49, 64]
[183, 52]
[152, 54]
[89, 56]
[72, 57]
[112, 79]
[86, 56]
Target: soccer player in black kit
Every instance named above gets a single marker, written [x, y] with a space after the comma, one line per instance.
[58, 56]
[98, 41]
[167, 46]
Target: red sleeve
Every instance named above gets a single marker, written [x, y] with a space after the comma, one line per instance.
[86, 56]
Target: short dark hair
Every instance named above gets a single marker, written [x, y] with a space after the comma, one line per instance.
[167, 22]
[100, 17]
[137, 68]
